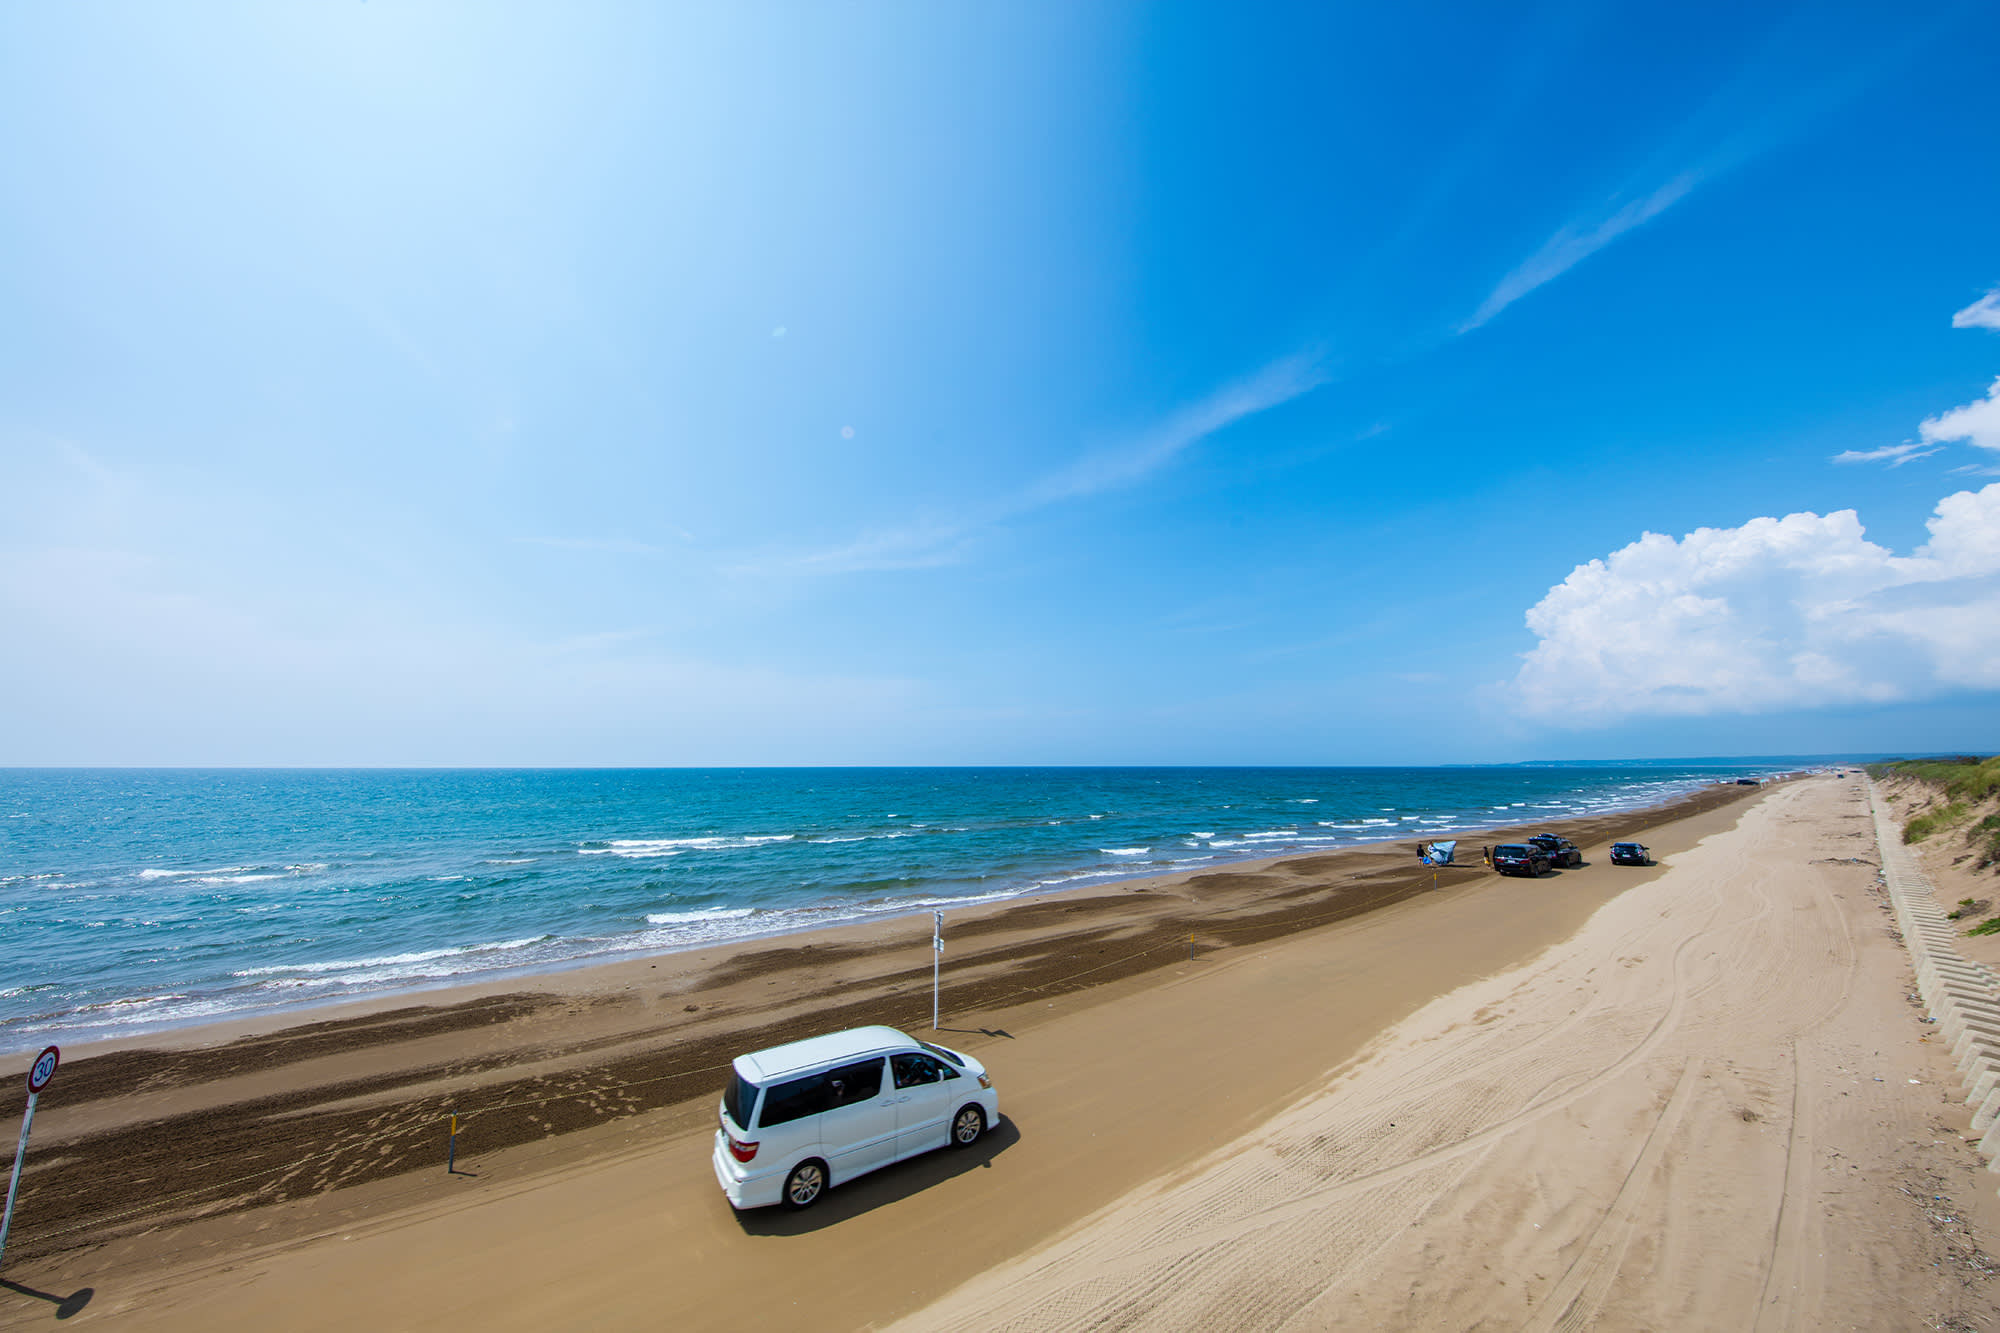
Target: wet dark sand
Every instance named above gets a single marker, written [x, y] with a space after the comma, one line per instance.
[211, 1121]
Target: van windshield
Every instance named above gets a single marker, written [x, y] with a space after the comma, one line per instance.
[739, 1099]
[952, 1056]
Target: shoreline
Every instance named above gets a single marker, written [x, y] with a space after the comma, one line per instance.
[229, 1118]
[540, 976]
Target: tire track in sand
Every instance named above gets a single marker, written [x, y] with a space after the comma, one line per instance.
[1579, 1294]
[1270, 1230]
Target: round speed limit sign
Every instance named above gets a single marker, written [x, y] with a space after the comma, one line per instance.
[44, 1070]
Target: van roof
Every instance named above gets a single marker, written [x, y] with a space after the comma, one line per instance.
[778, 1061]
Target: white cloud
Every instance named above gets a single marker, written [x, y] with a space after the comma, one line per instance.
[921, 545]
[1797, 612]
[1981, 314]
[942, 540]
[1577, 241]
[607, 545]
[1978, 422]
[1895, 455]
[1110, 469]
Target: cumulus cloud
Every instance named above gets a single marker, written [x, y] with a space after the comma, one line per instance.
[1978, 422]
[1981, 314]
[1781, 613]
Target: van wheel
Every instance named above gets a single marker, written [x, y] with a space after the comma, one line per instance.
[806, 1183]
[967, 1126]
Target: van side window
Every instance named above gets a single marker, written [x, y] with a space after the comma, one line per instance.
[794, 1100]
[854, 1083]
[913, 1071]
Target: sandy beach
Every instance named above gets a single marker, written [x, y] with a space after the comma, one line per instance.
[1672, 1096]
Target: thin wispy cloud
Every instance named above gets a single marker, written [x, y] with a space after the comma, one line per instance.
[922, 545]
[606, 545]
[1895, 455]
[1575, 242]
[942, 540]
[1111, 469]
[1981, 314]
[1738, 123]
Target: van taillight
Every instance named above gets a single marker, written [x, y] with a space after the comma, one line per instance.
[741, 1151]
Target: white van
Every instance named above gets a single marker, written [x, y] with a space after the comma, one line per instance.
[801, 1118]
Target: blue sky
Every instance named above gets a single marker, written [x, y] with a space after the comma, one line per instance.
[439, 384]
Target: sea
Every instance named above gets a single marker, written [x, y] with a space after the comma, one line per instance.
[137, 900]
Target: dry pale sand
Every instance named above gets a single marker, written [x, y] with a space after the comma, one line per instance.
[1715, 1107]
[1466, 1106]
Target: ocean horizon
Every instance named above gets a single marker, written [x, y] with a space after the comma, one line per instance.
[136, 900]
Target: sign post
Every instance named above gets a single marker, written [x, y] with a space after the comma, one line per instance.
[38, 1078]
[937, 952]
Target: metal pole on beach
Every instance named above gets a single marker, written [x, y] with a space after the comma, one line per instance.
[937, 952]
[38, 1078]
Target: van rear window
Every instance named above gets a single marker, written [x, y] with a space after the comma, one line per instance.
[739, 1099]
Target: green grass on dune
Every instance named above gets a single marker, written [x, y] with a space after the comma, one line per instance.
[1923, 825]
[1964, 778]
[1964, 781]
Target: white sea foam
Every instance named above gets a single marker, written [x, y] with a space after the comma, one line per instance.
[1124, 851]
[1077, 876]
[1201, 835]
[128, 1002]
[650, 847]
[895, 905]
[1305, 800]
[700, 914]
[394, 960]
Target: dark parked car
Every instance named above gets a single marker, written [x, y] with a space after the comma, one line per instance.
[1560, 851]
[1748, 782]
[1520, 858]
[1629, 854]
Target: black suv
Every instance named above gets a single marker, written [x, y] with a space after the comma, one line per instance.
[1629, 854]
[1520, 858]
[1560, 851]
